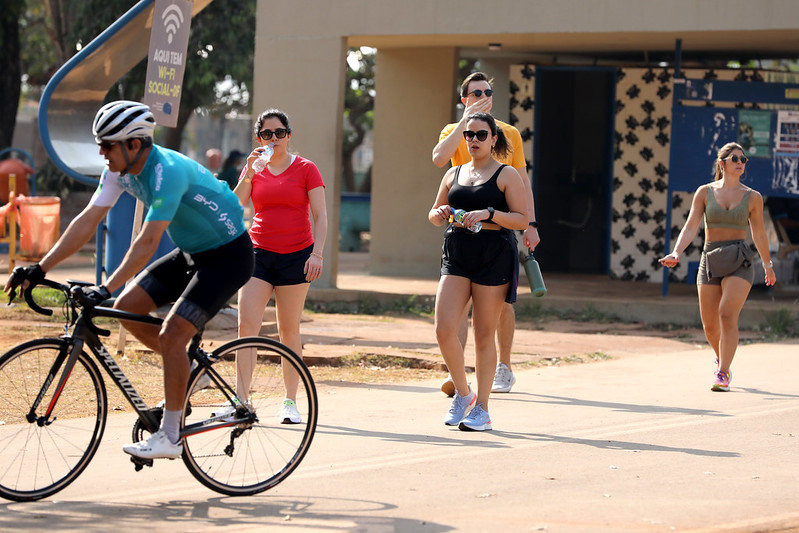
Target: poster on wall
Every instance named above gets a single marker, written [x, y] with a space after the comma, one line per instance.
[788, 133]
[754, 132]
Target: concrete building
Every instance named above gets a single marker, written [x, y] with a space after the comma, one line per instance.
[590, 84]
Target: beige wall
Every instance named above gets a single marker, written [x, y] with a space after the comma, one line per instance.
[300, 67]
[305, 78]
[415, 96]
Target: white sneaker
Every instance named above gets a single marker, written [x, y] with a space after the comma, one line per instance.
[288, 413]
[448, 386]
[202, 383]
[503, 379]
[227, 411]
[157, 446]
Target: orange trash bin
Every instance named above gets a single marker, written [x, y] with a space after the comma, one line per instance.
[39, 225]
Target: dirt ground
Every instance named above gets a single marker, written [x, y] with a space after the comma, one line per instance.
[378, 349]
[381, 348]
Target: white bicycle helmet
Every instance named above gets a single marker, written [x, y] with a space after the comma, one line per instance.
[123, 120]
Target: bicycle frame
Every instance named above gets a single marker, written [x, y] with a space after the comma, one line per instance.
[86, 334]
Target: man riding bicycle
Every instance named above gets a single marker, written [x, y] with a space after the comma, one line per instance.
[213, 258]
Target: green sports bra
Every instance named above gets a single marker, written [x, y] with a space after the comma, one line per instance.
[718, 217]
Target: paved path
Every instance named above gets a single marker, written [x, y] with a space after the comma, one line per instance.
[638, 443]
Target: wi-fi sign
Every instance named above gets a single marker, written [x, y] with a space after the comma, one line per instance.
[172, 18]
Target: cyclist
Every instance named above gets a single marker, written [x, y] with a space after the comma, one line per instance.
[213, 258]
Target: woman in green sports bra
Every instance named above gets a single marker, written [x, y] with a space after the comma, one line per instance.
[729, 209]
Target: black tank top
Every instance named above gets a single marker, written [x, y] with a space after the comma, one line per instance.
[472, 198]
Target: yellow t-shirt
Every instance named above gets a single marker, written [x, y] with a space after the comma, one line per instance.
[515, 157]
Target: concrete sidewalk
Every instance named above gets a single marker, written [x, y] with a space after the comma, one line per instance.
[636, 444]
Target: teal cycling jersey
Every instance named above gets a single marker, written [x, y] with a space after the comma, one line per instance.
[203, 212]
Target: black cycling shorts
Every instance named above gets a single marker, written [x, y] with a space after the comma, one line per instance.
[485, 258]
[199, 284]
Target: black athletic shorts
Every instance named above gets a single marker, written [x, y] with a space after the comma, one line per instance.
[281, 269]
[486, 258]
[199, 284]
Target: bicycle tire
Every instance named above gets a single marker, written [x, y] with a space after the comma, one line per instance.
[36, 461]
[267, 451]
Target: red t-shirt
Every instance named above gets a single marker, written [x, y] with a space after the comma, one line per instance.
[282, 223]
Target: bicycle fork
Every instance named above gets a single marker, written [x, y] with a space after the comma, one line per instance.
[74, 346]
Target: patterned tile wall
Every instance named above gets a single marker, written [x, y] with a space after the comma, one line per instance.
[640, 170]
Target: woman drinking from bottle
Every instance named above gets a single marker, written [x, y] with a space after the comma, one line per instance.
[482, 265]
[288, 250]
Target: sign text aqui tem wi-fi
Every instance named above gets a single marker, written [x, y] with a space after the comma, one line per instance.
[166, 61]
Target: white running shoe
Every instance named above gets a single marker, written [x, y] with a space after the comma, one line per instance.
[288, 413]
[202, 383]
[448, 386]
[157, 446]
[227, 411]
[503, 379]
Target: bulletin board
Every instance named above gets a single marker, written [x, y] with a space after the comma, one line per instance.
[764, 122]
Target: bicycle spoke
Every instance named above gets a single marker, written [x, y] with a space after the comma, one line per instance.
[267, 450]
[37, 461]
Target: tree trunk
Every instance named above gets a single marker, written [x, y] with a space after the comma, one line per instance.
[12, 71]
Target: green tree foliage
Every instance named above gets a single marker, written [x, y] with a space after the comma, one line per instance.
[221, 47]
[359, 103]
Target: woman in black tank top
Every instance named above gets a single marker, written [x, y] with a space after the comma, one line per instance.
[480, 265]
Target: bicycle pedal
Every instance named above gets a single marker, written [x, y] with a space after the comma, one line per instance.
[139, 463]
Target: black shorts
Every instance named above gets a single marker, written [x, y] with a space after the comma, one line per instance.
[485, 258]
[281, 269]
[199, 284]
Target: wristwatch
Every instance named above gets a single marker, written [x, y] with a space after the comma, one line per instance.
[490, 213]
[533, 224]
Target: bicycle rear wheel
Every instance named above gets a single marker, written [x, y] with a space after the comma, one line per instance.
[39, 458]
[249, 458]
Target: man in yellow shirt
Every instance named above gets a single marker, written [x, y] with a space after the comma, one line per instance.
[476, 96]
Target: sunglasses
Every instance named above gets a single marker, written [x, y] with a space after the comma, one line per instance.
[735, 159]
[481, 135]
[267, 134]
[478, 93]
[106, 145]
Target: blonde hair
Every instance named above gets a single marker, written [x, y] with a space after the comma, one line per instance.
[724, 153]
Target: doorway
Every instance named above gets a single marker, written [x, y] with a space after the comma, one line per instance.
[573, 167]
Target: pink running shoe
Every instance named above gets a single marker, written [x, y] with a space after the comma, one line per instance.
[722, 383]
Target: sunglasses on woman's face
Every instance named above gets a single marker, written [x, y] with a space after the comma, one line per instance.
[478, 93]
[267, 134]
[735, 159]
[481, 135]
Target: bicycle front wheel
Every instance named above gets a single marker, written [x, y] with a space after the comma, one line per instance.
[249, 458]
[40, 457]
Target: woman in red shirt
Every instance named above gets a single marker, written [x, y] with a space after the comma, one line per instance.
[288, 251]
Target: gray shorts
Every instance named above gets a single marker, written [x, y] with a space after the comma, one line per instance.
[745, 272]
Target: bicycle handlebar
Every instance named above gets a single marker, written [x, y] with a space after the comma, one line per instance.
[28, 295]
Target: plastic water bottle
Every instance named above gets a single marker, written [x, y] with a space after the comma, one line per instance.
[534, 277]
[260, 164]
[457, 216]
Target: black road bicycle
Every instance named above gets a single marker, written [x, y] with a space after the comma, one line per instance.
[53, 408]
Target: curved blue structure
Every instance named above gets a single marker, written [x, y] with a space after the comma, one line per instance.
[71, 99]
[77, 90]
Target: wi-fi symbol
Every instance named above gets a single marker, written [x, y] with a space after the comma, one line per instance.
[172, 18]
